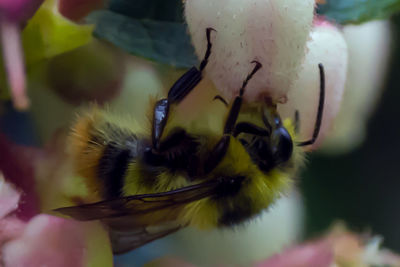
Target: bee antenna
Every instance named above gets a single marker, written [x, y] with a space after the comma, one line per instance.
[256, 68]
[318, 120]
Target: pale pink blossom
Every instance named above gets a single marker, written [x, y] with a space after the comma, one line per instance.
[273, 32]
[369, 52]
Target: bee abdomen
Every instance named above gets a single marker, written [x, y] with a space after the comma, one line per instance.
[113, 165]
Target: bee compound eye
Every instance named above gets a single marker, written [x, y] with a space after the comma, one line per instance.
[263, 149]
[283, 145]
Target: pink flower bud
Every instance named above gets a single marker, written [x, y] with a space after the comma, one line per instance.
[369, 50]
[52, 241]
[273, 32]
[9, 197]
[312, 254]
[18, 10]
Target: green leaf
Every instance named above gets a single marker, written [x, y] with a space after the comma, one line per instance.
[162, 41]
[171, 10]
[358, 11]
[49, 34]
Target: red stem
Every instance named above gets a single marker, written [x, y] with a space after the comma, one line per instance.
[14, 62]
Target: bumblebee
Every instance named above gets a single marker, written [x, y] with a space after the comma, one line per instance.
[150, 185]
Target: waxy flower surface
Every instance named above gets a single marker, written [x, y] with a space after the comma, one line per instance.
[273, 32]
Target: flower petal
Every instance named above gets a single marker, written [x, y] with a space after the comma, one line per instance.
[312, 254]
[9, 197]
[10, 228]
[53, 241]
[369, 50]
[18, 168]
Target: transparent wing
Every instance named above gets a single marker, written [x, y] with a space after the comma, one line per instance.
[124, 241]
[140, 205]
[133, 221]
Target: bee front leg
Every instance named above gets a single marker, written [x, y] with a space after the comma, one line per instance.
[220, 149]
[181, 88]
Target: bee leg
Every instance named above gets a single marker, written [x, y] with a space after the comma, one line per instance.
[217, 154]
[318, 120]
[181, 88]
[237, 103]
[192, 77]
[266, 122]
[296, 121]
[219, 150]
[247, 127]
[177, 151]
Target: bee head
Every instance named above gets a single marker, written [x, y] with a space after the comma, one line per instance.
[281, 144]
[270, 145]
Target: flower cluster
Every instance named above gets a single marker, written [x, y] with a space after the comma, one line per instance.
[290, 40]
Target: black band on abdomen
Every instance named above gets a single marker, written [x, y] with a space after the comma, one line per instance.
[112, 169]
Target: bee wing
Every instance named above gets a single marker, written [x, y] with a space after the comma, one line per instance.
[124, 241]
[137, 206]
[133, 221]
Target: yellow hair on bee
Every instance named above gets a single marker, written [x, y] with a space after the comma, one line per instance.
[85, 151]
[164, 182]
[260, 189]
[202, 214]
[93, 129]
